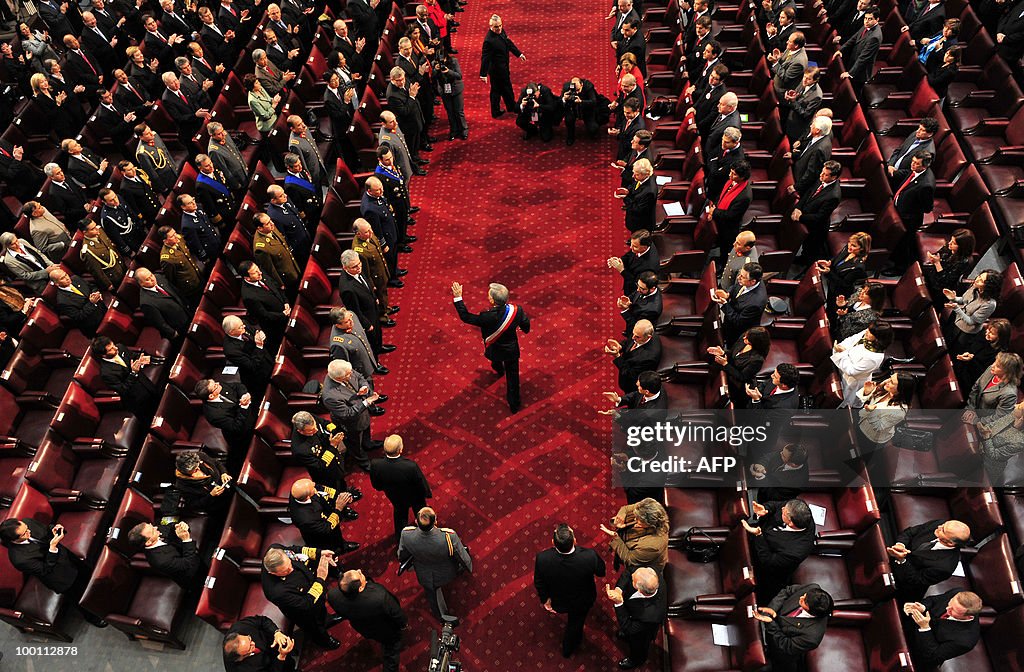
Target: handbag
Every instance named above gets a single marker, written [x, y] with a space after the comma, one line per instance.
[913, 439]
[704, 551]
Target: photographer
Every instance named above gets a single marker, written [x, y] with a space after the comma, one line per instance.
[448, 75]
[538, 112]
[579, 101]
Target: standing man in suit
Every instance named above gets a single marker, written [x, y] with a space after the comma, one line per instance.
[642, 256]
[721, 160]
[373, 612]
[228, 407]
[564, 578]
[402, 102]
[925, 555]
[264, 303]
[788, 67]
[377, 210]
[391, 135]
[401, 480]
[85, 167]
[727, 117]
[294, 579]
[743, 305]
[121, 371]
[641, 197]
[256, 644]
[860, 50]
[632, 42]
[801, 104]
[83, 68]
[364, 20]
[777, 397]
[348, 396]
[244, 348]
[437, 555]
[162, 307]
[498, 325]
[795, 622]
[301, 142]
[622, 12]
[783, 536]
[643, 304]
[783, 475]
[631, 123]
[922, 139]
[494, 66]
[641, 352]
[188, 114]
[641, 606]
[1010, 34]
[914, 199]
[287, 220]
[814, 211]
[170, 550]
[813, 155]
[156, 160]
[78, 301]
[947, 627]
[357, 295]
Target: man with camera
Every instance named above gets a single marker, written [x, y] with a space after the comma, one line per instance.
[448, 75]
[538, 112]
[438, 556]
[579, 101]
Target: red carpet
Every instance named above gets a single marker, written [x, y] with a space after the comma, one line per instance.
[540, 219]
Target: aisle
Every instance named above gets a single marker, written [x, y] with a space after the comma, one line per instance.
[540, 219]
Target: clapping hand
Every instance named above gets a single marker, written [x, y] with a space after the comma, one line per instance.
[616, 264]
[614, 594]
[612, 347]
[765, 614]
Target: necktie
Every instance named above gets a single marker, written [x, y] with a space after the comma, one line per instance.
[793, 613]
[256, 651]
[895, 199]
[863, 33]
[131, 88]
[162, 290]
[119, 361]
[81, 54]
[182, 96]
[4, 152]
[100, 33]
[76, 290]
[945, 615]
[818, 190]
[910, 150]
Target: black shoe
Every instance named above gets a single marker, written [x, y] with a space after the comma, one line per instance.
[381, 398]
[93, 619]
[387, 347]
[376, 410]
[349, 514]
[627, 664]
[569, 142]
[464, 136]
[400, 272]
[382, 371]
[514, 409]
[427, 148]
[419, 171]
[451, 136]
[365, 467]
[406, 249]
[497, 114]
[388, 323]
[434, 139]
[422, 162]
[334, 620]
[356, 493]
[392, 310]
[330, 643]
[349, 546]
[396, 283]
[410, 239]
[455, 51]
[414, 209]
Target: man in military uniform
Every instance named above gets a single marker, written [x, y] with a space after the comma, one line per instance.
[397, 192]
[101, 257]
[137, 192]
[201, 236]
[213, 192]
[318, 512]
[155, 159]
[294, 579]
[390, 134]
[124, 225]
[179, 266]
[226, 157]
[300, 142]
[273, 255]
[353, 347]
[370, 249]
[303, 194]
[427, 546]
[376, 209]
[337, 315]
[287, 220]
[320, 448]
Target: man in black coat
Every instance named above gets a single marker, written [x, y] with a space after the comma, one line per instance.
[161, 305]
[285, 216]
[318, 514]
[401, 480]
[925, 555]
[727, 117]
[641, 607]
[187, 112]
[625, 131]
[579, 101]
[813, 155]
[115, 120]
[264, 303]
[914, 199]
[860, 50]
[256, 644]
[632, 42]
[23, 179]
[55, 17]
[494, 66]
[229, 408]
[538, 111]
[643, 304]
[947, 627]
[244, 347]
[925, 22]
[498, 325]
[641, 257]
[83, 68]
[64, 198]
[85, 168]
[922, 139]
[783, 536]
[364, 20]
[402, 102]
[781, 476]
[744, 304]
[356, 291]
[121, 371]
[564, 578]
[776, 398]
[373, 612]
[795, 622]
[201, 236]
[720, 161]
[170, 550]
[814, 211]
[78, 301]
[294, 579]
[1010, 34]
[641, 198]
[641, 352]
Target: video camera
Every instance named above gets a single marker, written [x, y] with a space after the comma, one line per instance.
[443, 646]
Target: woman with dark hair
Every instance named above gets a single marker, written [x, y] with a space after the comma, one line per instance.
[885, 406]
[933, 49]
[845, 271]
[147, 73]
[37, 45]
[859, 356]
[941, 77]
[743, 362]
[950, 262]
[971, 363]
[856, 313]
[971, 310]
[1002, 440]
[199, 483]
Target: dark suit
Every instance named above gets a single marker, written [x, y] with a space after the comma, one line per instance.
[57, 571]
[633, 266]
[924, 567]
[85, 171]
[567, 579]
[55, 20]
[642, 307]
[742, 311]
[627, 129]
[379, 213]
[110, 120]
[717, 129]
[640, 619]
[816, 205]
[409, 114]
[640, 204]
[265, 303]
[717, 165]
[790, 638]
[924, 24]
[504, 350]
[403, 483]
[23, 179]
[140, 197]
[634, 45]
[233, 421]
[201, 236]
[728, 219]
[315, 452]
[261, 629]
[85, 69]
[859, 53]
[913, 201]
[781, 484]
[67, 201]
[778, 550]
[705, 108]
[801, 110]
[166, 313]
[375, 614]
[95, 43]
[138, 394]
[176, 559]
[286, 219]
[358, 297]
[631, 362]
[76, 308]
[254, 364]
[1012, 26]
[901, 156]
[364, 21]
[545, 105]
[807, 167]
[946, 638]
[318, 520]
[494, 64]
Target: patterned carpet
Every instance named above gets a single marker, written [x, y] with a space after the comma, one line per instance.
[539, 218]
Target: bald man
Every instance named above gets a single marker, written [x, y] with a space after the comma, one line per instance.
[318, 512]
[925, 555]
[401, 480]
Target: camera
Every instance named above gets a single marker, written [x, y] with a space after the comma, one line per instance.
[443, 646]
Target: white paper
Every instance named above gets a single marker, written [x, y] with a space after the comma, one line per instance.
[229, 370]
[674, 209]
[662, 179]
[720, 634]
[959, 571]
[818, 513]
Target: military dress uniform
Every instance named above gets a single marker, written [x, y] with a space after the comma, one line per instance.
[310, 155]
[324, 462]
[156, 161]
[300, 595]
[213, 194]
[305, 196]
[275, 259]
[371, 251]
[354, 348]
[229, 161]
[139, 194]
[397, 192]
[318, 520]
[435, 561]
[103, 260]
[181, 270]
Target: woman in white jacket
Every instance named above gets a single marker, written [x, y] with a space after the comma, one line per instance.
[858, 357]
